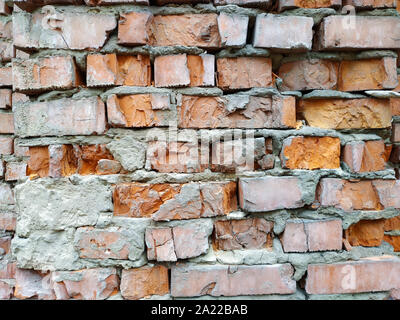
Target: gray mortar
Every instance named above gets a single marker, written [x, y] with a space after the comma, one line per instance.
[332, 94]
[298, 295]
[349, 296]
[247, 51]
[316, 14]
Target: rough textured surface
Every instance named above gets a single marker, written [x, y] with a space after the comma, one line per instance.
[199, 149]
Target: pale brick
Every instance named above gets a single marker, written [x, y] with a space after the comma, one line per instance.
[33, 284]
[6, 195]
[6, 145]
[219, 280]
[29, 31]
[15, 171]
[270, 193]
[5, 98]
[232, 29]
[6, 123]
[35, 75]
[283, 32]
[8, 221]
[366, 275]
[143, 282]
[336, 33]
[60, 117]
[6, 77]
[160, 244]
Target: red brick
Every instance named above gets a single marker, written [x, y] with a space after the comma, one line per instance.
[2, 169]
[35, 75]
[5, 27]
[197, 30]
[365, 156]
[87, 284]
[112, 2]
[253, 233]
[184, 70]
[101, 244]
[7, 50]
[62, 117]
[160, 244]
[6, 123]
[179, 242]
[244, 72]
[232, 29]
[30, 32]
[5, 243]
[283, 32]
[15, 171]
[309, 74]
[174, 201]
[133, 28]
[7, 270]
[311, 153]
[366, 275]
[5, 98]
[5, 77]
[370, 3]
[366, 233]
[6, 145]
[305, 235]
[308, 4]
[258, 112]
[4, 8]
[359, 195]
[220, 280]
[368, 74]
[138, 110]
[242, 155]
[112, 69]
[144, 282]
[395, 105]
[270, 193]
[345, 113]
[335, 33]
[177, 156]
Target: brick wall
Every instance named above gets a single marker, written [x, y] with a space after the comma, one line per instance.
[210, 148]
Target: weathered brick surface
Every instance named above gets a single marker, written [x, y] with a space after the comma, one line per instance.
[311, 153]
[45, 74]
[143, 282]
[369, 274]
[346, 113]
[335, 33]
[303, 236]
[60, 117]
[199, 148]
[244, 72]
[365, 156]
[254, 233]
[283, 33]
[174, 201]
[270, 193]
[221, 280]
[216, 112]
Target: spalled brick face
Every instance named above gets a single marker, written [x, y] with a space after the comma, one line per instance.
[175, 149]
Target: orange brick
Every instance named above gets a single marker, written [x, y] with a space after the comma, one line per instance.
[368, 74]
[366, 233]
[366, 156]
[112, 69]
[144, 281]
[311, 153]
[244, 72]
[346, 113]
